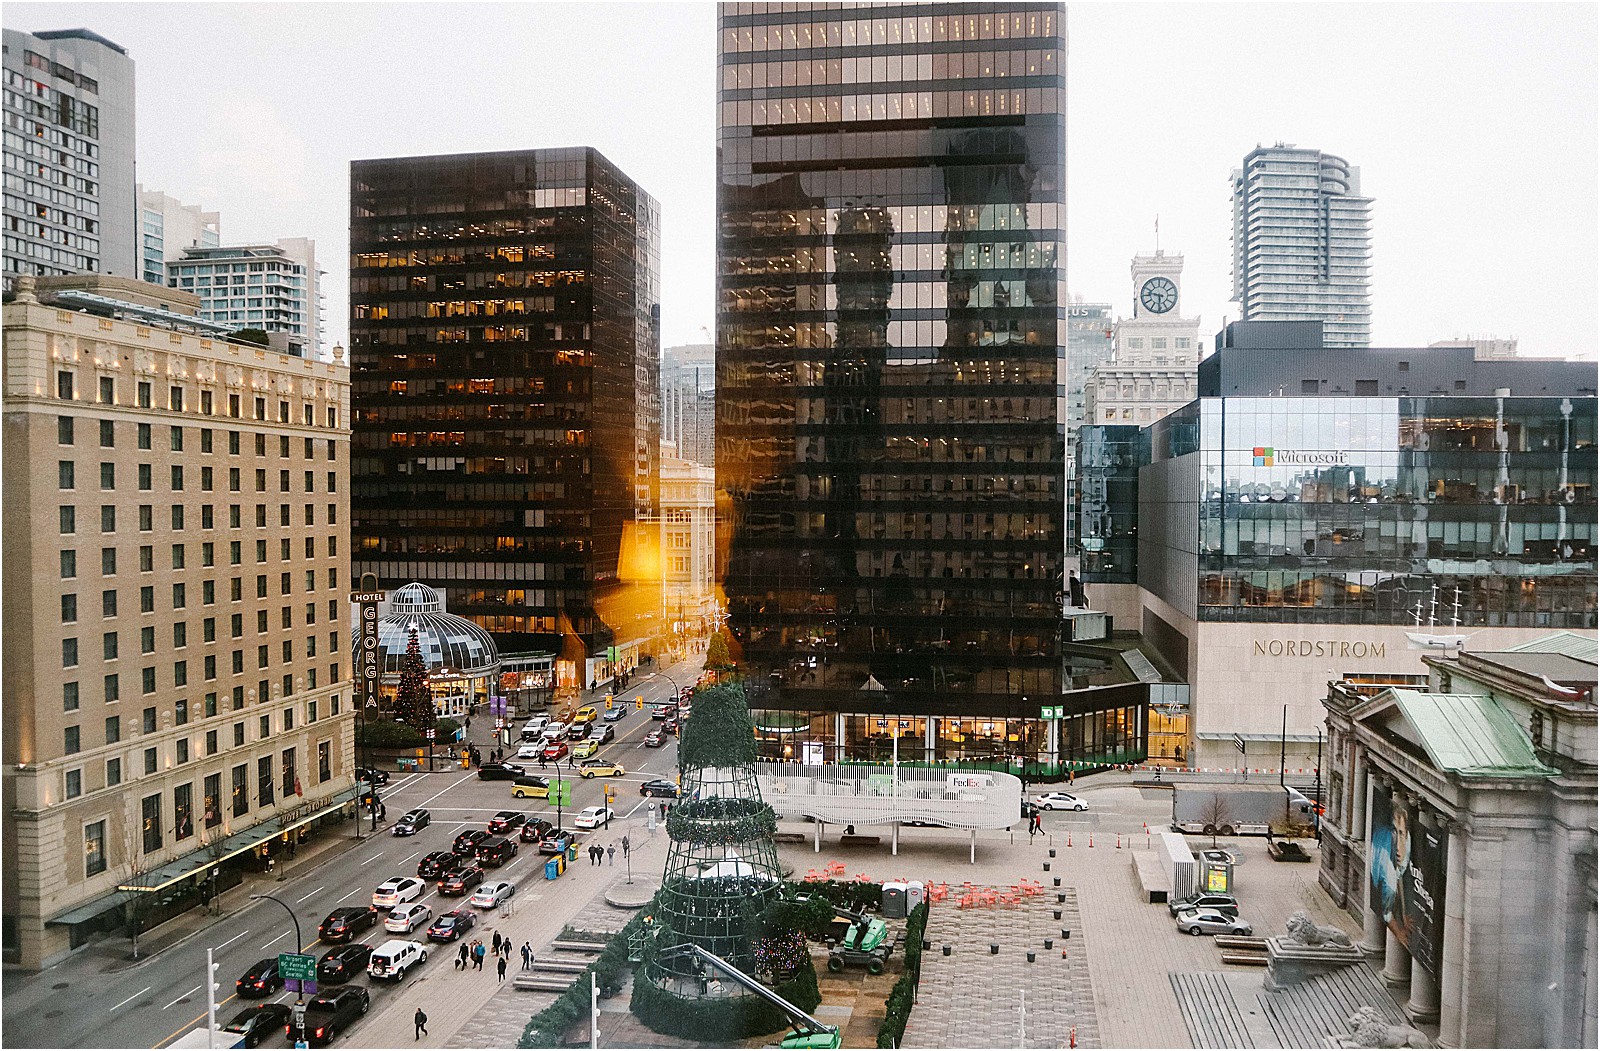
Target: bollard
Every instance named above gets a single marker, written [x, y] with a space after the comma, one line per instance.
[1052, 851]
[1061, 899]
[926, 944]
[1066, 933]
[1069, 839]
[1072, 1041]
[1030, 956]
[947, 950]
[1047, 866]
[1056, 880]
[1048, 942]
[994, 949]
[1057, 913]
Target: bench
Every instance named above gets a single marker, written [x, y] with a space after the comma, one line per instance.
[537, 984]
[788, 837]
[1239, 941]
[1249, 959]
[561, 966]
[859, 841]
[589, 947]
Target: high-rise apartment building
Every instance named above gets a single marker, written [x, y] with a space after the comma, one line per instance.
[273, 287]
[70, 202]
[176, 577]
[167, 227]
[1302, 242]
[891, 338]
[505, 337]
[688, 401]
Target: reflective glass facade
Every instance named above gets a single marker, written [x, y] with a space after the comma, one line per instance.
[504, 346]
[1108, 486]
[1477, 511]
[891, 342]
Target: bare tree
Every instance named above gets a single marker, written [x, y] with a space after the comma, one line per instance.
[213, 836]
[136, 864]
[1216, 815]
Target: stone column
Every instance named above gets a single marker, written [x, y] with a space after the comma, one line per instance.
[1372, 926]
[1424, 1003]
[1396, 961]
[1455, 916]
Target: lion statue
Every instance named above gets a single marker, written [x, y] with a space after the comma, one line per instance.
[1303, 931]
[1368, 1029]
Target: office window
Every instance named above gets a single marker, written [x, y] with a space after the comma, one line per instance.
[150, 761]
[108, 435]
[113, 772]
[264, 779]
[143, 432]
[233, 409]
[66, 474]
[113, 688]
[69, 565]
[145, 478]
[178, 557]
[177, 479]
[205, 439]
[69, 696]
[207, 483]
[74, 784]
[180, 674]
[177, 439]
[147, 517]
[69, 653]
[149, 717]
[205, 406]
[68, 515]
[69, 609]
[151, 808]
[70, 740]
[147, 639]
[324, 762]
[147, 558]
[108, 390]
[181, 750]
[64, 430]
[179, 596]
[108, 603]
[108, 518]
[113, 729]
[241, 790]
[149, 680]
[94, 837]
[108, 643]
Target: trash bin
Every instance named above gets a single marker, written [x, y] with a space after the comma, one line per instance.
[572, 851]
[552, 868]
[894, 901]
[916, 894]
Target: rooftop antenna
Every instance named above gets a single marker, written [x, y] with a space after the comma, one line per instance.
[1158, 233]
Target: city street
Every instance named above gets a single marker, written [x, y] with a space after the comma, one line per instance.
[80, 1003]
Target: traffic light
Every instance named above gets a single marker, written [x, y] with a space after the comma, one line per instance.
[638, 703]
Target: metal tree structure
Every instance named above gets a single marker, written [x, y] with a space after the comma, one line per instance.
[722, 868]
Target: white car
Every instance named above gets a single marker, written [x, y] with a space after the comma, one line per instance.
[1211, 921]
[531, 750]
[1059, 801]
[398, 890]
[555, 732]
[536, 724]
[403, 919]
[593, 816]
[489, 895]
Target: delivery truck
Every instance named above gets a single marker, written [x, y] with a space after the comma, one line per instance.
[1240, 810]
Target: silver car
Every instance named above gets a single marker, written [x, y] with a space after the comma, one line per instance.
[1210, 921]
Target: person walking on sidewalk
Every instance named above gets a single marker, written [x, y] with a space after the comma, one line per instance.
[495, 944]
[501, 967]
[527, 955]
[611, 854]
[461, 957]
[478, 954]
[420, 1020]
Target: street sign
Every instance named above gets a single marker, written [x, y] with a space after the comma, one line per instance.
[561, 793]
[297, 966]
[430, 733]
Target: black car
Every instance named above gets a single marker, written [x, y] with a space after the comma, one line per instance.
[466, 844]
[344, 924]
[659, 787]
[260, 980]
[412, 822]
[1226, 904]
[434, 865]
[342, 963]
[452, 925]
[256, 1024]
[535, 830]
[459, 881]
[500, 772]
[371, 776]
[507, 820]
[330, 1013]
[497, 851]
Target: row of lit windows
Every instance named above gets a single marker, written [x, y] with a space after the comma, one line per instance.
[934, 216]
[899, 105]
[144, 398]
[51, 134]
[896, 68]
[833, 31]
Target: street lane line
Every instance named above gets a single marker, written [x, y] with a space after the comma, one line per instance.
[374, 857]
[319, 890]
[135, 996]
[349, 896]
[279, 938]
[402, 861]
[196, 989]
[184, 1028]
[442, 791]
[230, 941]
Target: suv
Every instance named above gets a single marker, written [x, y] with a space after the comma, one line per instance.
[534, 727]
[343, 924]
[603, 733]
[395, 957]
[535, 830]
[1226, 904]
[466, 844]
[496, 852]
[332, 1012]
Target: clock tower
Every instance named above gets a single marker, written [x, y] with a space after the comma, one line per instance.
[1155, 351]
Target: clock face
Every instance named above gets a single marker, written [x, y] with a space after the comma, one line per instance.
[1158, 295]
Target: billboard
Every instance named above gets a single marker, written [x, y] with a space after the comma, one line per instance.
[1406, 878]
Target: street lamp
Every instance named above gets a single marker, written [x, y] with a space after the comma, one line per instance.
[300, 995]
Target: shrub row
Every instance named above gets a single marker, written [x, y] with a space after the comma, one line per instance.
[847, 894]
[549, 1027]
[722, 1022]
[904, 993]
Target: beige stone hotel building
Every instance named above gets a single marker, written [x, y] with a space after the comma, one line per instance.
[176, 690]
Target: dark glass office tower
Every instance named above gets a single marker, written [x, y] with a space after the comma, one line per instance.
[504, 345]
[891, 337]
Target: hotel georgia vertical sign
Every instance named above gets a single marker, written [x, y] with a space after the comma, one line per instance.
[368, 664]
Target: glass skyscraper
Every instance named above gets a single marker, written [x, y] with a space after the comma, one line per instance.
[891, 347]
[504, 346]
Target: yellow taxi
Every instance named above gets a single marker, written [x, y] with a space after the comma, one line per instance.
[601, 768]
[586, 714]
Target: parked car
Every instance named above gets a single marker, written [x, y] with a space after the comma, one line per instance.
[655, 739]
[331, 1013]
[659, 787]
[507, 820]
[412, 822]
[395, 957]
[371, 776]
[490, 895]
[1210, 921]
[466, 844]
[535, 830]
[255, 1024]
[585, 748]
[403, 919]
[602, 733]
[531, 786]
[342, 925]
[397, 891]
[553, 751]
[601, 768]
[500, 772]
[459, 881]
[434, 865]
[615, 713]
[262, 979]
[555, 841]
[1059, 801]
[1226, 904]
[343, 962]
[452, 925]
[496, 852]
[593, 816]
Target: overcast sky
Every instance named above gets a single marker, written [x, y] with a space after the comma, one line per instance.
[1474, 126]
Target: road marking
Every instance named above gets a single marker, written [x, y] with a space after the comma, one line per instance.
[135, 996]
[279, 938]
[185, 1026]
[191, 992]
[374, 857]
[403, 860]
[230, 941]
[442, 791]
[349, 896]
[319, 890]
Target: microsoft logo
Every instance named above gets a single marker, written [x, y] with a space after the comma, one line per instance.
[1263, 456]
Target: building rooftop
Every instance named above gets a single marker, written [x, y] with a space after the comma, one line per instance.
[1466, 734]
[79, 34]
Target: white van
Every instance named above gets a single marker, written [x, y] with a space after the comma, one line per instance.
[395, 957]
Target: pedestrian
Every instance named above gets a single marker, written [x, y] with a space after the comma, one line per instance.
[572, 761]
[496, 943]
[501, 968]
[1038, 821]
[527, 955]
[477, 955]
[611, 854]
[383, 811]
[626, 847]
[461, 957]
[421, 1022]
[505, 948]
[469, 724]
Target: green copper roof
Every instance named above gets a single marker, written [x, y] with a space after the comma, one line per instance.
[1470, 735]
[1579, 647]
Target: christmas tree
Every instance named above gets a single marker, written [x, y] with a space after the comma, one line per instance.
[413, 701]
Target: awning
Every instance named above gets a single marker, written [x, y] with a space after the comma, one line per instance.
[90, 909]
[196, 860]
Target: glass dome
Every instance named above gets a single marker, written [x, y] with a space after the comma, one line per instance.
[449, 643]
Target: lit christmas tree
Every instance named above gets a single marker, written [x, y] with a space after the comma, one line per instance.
[413, 701]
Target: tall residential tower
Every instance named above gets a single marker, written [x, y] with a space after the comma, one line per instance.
[1302, 242]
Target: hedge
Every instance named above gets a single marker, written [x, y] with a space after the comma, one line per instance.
[904, 994]
[389, 734]
[847, 894]
[723, 1021]
[549, 1027]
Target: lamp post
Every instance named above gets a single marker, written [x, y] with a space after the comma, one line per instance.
[300, 995]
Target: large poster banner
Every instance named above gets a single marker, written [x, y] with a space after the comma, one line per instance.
[1406, 882]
